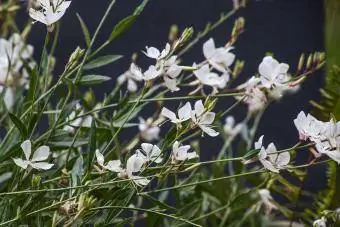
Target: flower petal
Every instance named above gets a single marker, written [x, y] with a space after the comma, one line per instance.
[184, 113]
[100, 158]
[211, 132]
[21, 163]
[169, 114]
[26, 146]
[41, 165]
[41, 154]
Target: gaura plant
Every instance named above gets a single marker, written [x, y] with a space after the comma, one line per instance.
[78, 170]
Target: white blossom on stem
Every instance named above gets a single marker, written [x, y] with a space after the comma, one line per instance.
[330, 144]
[50, 11]
[150, 153]
[113, 165]
[320, 222]
[180, 153]
[36, 161]
[230, 128]
[273, 73]
[76, 121]
[267, 200]
[131, 76]
[153, 52]
[309, 127]
[184, 114]
[212, 79]
[148, 130]
[219, 58]
[269, 157]
[134, 165]
[203, 119]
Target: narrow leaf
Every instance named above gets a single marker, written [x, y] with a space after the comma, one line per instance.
[93, 79]
[86, 32]
[251, 154]
[92, 145]
[20, 126]
[126, 23]
[102, 61]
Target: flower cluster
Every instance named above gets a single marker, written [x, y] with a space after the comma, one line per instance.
[325, 135]
[270, 158]
[272, 83]
[199, 116]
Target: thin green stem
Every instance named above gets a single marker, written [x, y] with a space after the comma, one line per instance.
[147, 211]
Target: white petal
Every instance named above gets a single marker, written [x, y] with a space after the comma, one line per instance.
[26, 146]
[152, 52]
[136, 71]
[147, 147]
[100, 158]
[166, 51]
[258, 144]
[211, 132]
[132, 85]
[114, 166]
[134, 164]
[199, 108]
[184, 113]
[268, 165]
[207, 118]
[140, 180]
[38, 16]
[41, 165]
[283, 159]
[152, 73]
[21, 163]
[209, 48]
[169, 114]
[41, 154]
[171, 84]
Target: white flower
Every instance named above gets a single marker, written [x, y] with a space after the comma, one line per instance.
[153, 52]
[150, 152]
[51, 11]
[8, 96]
[77, 121]
[37, 159]
[254, 96]
[272, 72]
[184, 114]
[13, 53]
[230, 128]
[148, 131]
[330, 144]
[203, 119]
[267, 200]
[320, 222]
[206, 77]
[180, 153]
[131, 76]
[269, 157]
[171, 71]
[133, 165]
[219, 58]
[113, 165]
[309, 127]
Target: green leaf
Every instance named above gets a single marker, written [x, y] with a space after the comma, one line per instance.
[251, 154]
[126, 23]
[92, 145]
[67, 144]
[93, 79]
[68, 109]
[86, 32]
[77, 172]
[20, 126]
[102, 61]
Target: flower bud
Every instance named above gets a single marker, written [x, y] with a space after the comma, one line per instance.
[301, 62]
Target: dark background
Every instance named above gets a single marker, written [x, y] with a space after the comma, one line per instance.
[285, 27]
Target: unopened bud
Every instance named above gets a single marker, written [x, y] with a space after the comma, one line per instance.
[173, 33]
[238, 68]
[301, 63]
[309, 61]
[36, 180]
[75, 56]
